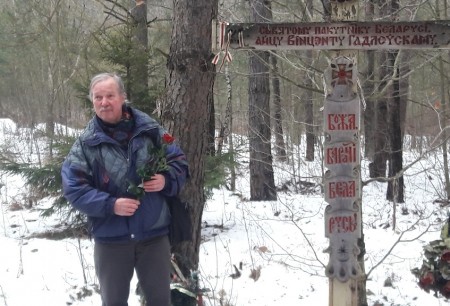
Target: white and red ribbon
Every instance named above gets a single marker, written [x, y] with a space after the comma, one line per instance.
[224, 44]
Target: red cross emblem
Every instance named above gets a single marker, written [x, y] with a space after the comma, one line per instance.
[341, 74]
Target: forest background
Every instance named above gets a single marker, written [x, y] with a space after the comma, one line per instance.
[51, 48]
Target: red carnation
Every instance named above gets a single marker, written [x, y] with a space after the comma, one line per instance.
[168, 139]
[157, 163]
[446, 256]
[445, 290]
[426, 280]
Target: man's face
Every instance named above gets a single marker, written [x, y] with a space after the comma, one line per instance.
[108, 101]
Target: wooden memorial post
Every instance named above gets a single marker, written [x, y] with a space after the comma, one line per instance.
[341, 114]
[341, 126]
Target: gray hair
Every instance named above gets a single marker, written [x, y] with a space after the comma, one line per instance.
[103, 77]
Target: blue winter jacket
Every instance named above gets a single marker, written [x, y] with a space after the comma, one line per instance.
[97, 171]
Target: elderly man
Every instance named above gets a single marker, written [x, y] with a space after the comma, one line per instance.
[130, 230]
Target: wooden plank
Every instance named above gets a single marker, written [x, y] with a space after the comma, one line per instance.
[340, 293]
[338, 35]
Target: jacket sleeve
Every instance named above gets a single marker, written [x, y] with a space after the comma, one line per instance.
[79, 187]
[178, 170]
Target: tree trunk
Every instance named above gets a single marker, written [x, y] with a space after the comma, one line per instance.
[225, 125]
[186, 111]
[139, 61]
[262, 182]
[369, 112]
[445, 94]
[309, 113]
[395, 190]
[229, 126]
[379, 165]
[368, 89]
[381, 133]
[444, 132]
[396, 187]
[280, 146]
[211, 150]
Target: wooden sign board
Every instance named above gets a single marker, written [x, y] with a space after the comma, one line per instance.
[344, 222]
[341, 120]
[341, 156]
[341, 187]
[341, 35]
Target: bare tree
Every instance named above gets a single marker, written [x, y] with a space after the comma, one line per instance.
[42, 55]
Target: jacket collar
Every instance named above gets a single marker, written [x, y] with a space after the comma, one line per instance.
[93, 133]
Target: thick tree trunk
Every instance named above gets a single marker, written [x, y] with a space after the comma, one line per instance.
[381, 138]
[262, 183]
[395, 187]
[186, 111]
[395, 190]
[381, 133]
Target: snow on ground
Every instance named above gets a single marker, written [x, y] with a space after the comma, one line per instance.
[280, 243]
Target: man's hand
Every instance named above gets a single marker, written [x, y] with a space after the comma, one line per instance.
[125, 206]
[155, 184]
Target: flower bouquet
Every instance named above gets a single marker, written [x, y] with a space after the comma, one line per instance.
[435, 271]
[156, 164]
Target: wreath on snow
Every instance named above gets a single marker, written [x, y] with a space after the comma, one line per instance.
[434, 275]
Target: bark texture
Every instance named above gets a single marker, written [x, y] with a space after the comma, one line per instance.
[186, 109]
